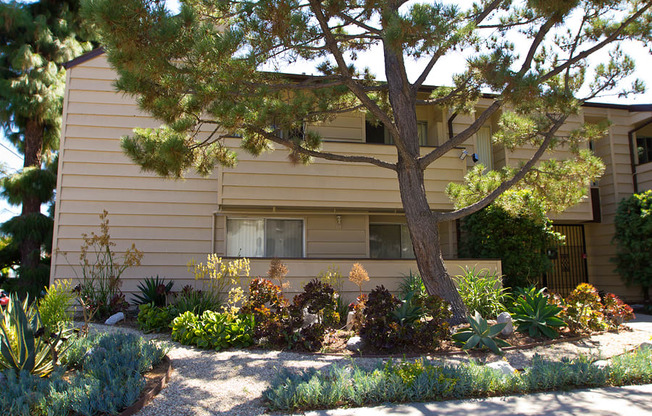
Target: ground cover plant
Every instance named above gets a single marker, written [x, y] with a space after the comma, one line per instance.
[46, 368]
[418, 381]
[105, 375]
[213, 330]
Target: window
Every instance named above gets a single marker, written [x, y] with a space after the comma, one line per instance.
[644, 149]
[390, 241]
[264, 237]
[379, 134]
[484, 149]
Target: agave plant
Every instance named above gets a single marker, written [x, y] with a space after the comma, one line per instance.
[22, 344]
[480, 334]
[153, 290]
[534, 315]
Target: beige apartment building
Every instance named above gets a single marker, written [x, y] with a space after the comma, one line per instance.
[325, 214]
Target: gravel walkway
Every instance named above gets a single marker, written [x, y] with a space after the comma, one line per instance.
[232, 382]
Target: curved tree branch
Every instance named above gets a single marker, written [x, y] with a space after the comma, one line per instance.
[440, 151]
[322, 155]
[462, 212]
[597, 47]
[344, 69]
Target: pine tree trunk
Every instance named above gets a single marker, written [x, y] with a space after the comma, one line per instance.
[422, 223]
[29, 248]
[424, 231]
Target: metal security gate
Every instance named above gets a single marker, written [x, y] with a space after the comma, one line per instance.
[569, 267]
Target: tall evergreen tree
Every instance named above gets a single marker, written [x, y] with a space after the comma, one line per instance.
[36, 39]
[204, 69]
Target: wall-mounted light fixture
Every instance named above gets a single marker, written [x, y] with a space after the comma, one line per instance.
[464, 154]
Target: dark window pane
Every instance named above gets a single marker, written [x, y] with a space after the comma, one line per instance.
[385, 241]
[375, 133]
[284, 238]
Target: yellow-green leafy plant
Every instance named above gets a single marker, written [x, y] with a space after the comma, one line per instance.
[217, 275]
[55, 306]
[101, 268]
[358, 275]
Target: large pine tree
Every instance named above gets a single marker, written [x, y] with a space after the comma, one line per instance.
[36, 39]
[202, 69]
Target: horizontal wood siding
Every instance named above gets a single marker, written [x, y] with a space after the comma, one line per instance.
[170, 221]
[644, 176]
[615, 184]
[272, 180]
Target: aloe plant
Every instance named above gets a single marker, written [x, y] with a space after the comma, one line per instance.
[534, 315]
[153, 290]
[22, 345]
[480, 334]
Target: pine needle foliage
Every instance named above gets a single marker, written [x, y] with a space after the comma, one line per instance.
[37, 39]
[210, 74]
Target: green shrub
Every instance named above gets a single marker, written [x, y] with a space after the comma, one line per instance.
[108, 378]
[520, 242]
[633, 240]
[213, 330]
[153, 290]
[155, 318]
[480, 335]
[481, 291]
[533, 314]
[55, 306]
[421, 381]
[196, 301]
[412, 285]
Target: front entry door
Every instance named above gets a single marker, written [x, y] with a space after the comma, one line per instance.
[569, 267]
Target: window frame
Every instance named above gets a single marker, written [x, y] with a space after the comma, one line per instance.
[401, 225]
[387, 138]
[303, 233]
[647, 149]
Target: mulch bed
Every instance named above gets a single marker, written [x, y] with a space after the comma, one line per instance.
[335, 344]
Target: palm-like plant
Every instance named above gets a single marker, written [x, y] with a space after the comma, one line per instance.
[153, 290]
[22, 344]
[480, 334]
[535, 315]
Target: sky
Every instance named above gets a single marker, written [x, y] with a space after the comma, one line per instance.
[442, 76]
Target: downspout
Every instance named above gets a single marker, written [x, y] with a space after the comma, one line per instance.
[450, 125]
[213, 232]
[632, 158]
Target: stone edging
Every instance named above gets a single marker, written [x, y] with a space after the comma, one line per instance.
[148, 395]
